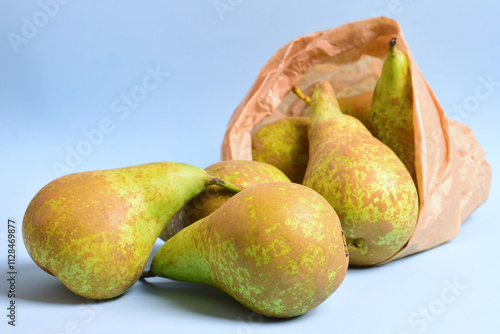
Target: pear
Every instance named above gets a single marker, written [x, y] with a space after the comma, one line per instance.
[284, 144]
[95, 230]
[277, 248]
[365, 182]
[241, 172]
[391, 114]
[357, 105]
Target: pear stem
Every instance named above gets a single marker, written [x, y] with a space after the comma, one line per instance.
[393, 42]
[226, 185]
[147, 274]
[296, 89]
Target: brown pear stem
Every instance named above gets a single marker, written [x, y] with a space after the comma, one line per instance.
[226, 185]
[393, 42]
[147, 274]
[296, 89]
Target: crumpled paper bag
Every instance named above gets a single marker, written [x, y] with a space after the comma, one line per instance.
[453, 176]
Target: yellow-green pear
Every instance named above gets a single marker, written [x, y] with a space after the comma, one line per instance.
[241, 172]
[95, 230]
[368, 186]
[391, 114]
[284, 144]
[358, 106]
[277, 248]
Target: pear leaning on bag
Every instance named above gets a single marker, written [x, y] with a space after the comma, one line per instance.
[284, 144]
[391, 114]
[365, 182]
[277, 248]
[241, 172]
[95, 230]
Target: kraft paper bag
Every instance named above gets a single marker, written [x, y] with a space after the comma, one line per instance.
[453, 175]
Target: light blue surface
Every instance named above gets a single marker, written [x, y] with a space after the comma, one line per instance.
[70, 74]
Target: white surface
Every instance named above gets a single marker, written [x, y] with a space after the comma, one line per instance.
[65, 79]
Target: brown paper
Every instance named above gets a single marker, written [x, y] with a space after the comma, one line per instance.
[453, 176]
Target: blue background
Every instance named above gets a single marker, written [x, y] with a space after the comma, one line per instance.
[65, 77]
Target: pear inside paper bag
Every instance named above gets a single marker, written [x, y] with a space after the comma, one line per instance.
[453, 176]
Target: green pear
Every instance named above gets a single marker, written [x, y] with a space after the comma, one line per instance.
[277, 248]
[391, 114]
[284, 144]
[357, 105]
[95, 230]
[368, 186]
[241, 172]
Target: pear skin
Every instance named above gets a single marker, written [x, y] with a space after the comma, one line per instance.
[241, 172]
[284, 144]
[277, 248]
[358, 106]
[391, 114]
[95, 230]
[365, 182]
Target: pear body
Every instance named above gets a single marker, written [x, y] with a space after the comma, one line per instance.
[364, 181]
[357, 105]
[391, 114]
[241, 172]
[284, 144]
[95, 230]
[277, 248]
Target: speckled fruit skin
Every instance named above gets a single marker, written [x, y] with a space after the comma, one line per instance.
[357, 106]
[95, 230]
[284, 144]
[277, 248]
[365, 182]
[391, 114]
[241, 172]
